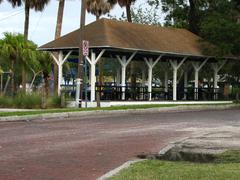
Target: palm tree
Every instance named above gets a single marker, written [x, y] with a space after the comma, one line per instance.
[12, 50]
[14, 3]
[58, 31]
[127, 4]
[98, 7]
[37, 5]
[61, 6]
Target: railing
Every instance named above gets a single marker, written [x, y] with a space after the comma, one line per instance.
[140, 93]
[202, 94]
[136, 93]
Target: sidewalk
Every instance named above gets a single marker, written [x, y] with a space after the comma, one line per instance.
[205, 141]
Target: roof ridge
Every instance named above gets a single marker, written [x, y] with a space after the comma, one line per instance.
[139, 24]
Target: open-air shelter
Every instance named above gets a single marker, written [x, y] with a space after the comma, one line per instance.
[125, 42]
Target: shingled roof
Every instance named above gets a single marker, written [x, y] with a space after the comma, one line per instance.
[107, 33]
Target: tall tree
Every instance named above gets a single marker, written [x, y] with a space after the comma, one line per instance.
[58, 31]
[127, 4]
[37, 5]
[14, 2]
[220, 27]
[98, 7]
[183, 13]
[16, 53]
[61, 6]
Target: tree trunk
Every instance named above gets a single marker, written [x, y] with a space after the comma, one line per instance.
[26, 28]
[6, 85]
[193, 17]
[58, 31]
[80, 74]
[46, 85]
[97, 17]
[34, 77]
[128, 11]
[26, 23]
[132, 76]
[59, 18]
[12, 76]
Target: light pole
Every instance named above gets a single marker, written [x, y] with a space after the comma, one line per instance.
[79, 79]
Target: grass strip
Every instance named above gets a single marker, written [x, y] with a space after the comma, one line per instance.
[225, 166]
[47, 111]
[127, 107]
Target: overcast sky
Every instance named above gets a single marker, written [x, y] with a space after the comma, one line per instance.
[42, 24]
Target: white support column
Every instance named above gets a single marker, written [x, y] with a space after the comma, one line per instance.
[216, 69]
[60, 60]
[175, 67]
[150, 63]
[150, 69]
[93, 76]
[60, 73]
[124, 62]
[93, 61]
[197, 67]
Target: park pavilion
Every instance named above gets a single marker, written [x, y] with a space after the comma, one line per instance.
[173, 49]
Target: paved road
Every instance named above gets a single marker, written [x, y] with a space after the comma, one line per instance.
[86, 148]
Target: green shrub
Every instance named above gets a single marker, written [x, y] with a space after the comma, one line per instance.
[6, 102]
[54, 102]
[29, 101]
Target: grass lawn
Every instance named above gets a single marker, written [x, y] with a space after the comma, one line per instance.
[45, 111]
[225, 167]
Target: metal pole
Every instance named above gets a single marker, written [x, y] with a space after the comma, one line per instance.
[80, 61]
[85, 81]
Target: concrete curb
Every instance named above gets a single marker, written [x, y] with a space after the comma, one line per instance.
[129, 163]
[118, 169]
[82, 114]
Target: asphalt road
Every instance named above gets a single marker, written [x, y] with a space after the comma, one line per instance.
[88, 147]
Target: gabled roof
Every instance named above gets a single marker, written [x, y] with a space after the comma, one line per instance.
[106, 33]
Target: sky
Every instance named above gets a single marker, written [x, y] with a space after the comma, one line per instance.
[42, 24]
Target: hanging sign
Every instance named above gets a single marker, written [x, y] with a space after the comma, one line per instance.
[85, 47]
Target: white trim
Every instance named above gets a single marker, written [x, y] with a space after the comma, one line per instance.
[129, 49]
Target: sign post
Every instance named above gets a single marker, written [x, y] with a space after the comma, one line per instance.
[85, 50]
